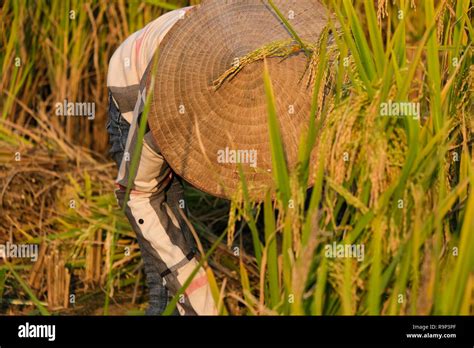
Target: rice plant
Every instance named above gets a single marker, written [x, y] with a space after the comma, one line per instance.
[398, 188]
[391, 125]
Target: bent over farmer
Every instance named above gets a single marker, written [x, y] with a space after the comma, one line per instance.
[201, 71]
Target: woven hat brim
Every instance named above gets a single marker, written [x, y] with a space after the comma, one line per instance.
[205, 133]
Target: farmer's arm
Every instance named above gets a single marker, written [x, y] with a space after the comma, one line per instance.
[158, 230]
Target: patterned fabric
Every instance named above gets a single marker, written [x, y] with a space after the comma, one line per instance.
[118, 128]
[156, 194]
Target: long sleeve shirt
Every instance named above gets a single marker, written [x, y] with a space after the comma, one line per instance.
[164, 247]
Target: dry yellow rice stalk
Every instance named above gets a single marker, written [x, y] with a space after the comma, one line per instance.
[282, 48]
[58, 279]
[382, 10]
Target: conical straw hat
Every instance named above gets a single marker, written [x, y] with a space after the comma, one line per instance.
[203, 131]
